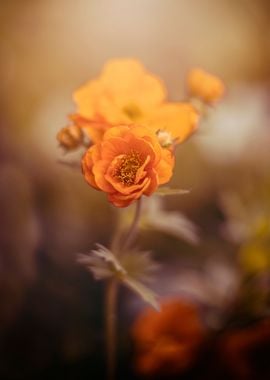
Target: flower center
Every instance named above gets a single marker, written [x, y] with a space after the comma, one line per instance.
[127, 168]
[132, 111]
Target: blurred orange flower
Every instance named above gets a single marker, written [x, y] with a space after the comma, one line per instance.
[205, 86]
[94, 129]
[125, 93]
[168, 342]
[240, 350]
[180, 120]
[128, 163]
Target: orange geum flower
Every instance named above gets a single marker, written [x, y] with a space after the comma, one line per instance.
[205, 86]
[179, 120]
[168, 342]
[239, 349]
[93, 129]
[124, 93]
[129, 162]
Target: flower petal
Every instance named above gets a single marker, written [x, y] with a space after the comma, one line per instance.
[180, 119]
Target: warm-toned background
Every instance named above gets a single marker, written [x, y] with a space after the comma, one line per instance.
[50, 309]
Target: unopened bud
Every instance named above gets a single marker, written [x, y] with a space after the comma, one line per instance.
[205, 86]
[70, 137]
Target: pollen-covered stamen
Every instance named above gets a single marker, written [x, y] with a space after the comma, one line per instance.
[127, 168]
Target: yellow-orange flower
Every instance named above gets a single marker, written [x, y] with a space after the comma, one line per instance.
[94, 129]
[205, 86]
[126, 93]
[168, 342]
[122, 94]
[128, 163]
[180, 120]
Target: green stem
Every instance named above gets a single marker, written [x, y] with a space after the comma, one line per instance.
[111, 298]
[111, 295]
[133, 230]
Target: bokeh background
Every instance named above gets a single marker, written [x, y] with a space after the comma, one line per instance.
[51, 309]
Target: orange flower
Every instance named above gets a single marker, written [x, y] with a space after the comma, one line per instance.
[205, 86]
[125, 93]
[128, 163]
[239, 350]
[168, 342]
[179, 120]
[94, 129]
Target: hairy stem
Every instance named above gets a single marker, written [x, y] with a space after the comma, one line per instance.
[133, 230]
[111, 298]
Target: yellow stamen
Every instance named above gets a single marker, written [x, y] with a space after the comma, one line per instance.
[127, 168]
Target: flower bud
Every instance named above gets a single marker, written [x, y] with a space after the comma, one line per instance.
[70, 137]
[205, 86]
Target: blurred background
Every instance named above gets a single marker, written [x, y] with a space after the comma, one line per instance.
[51, 309]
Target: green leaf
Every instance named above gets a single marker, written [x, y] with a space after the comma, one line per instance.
[163, 191]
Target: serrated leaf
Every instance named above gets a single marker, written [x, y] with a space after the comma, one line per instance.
[173, 223]
[102, 263]
[134, 267]
[155, 217]
[108, 256]
[163, 191]
[144, 292]
[139, 265]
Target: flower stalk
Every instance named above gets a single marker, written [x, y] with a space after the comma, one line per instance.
[111, 299]
[133, 230]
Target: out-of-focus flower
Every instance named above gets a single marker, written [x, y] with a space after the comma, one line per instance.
[70, 137]
[241, 350]
[168, 342]
[205, 86]
[125, 93]
[238, 127]
[255, 257]
[128, 163]
[180, 120]
[248, 224]
[94, 129]
[213, 284]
